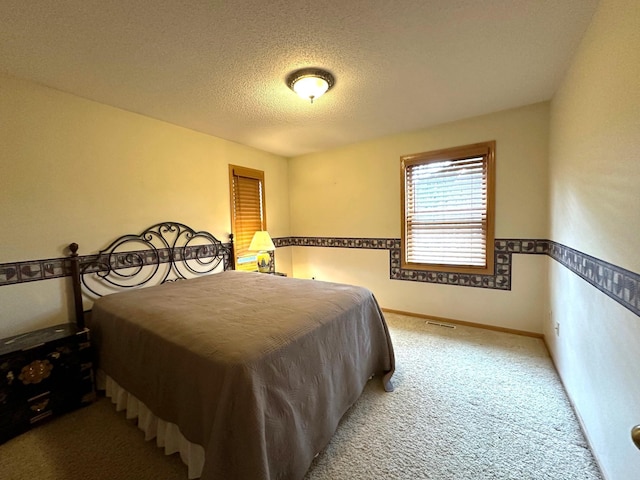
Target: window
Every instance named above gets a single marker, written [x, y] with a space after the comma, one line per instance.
[247, 212]
[448, 209]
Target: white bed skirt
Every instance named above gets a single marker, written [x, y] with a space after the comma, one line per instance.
[167, 434]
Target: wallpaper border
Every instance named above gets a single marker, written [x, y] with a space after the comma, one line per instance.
[501, 280]
[620, 284]
[34, 270]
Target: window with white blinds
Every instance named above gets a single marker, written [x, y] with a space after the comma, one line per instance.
[447, 203]
[247, 212]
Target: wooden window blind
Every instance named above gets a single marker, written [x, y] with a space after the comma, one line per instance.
[448, 202]
[247, 212]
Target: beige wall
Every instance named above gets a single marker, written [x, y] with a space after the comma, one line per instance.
[76, 170]
[595, 208]
[355, 192]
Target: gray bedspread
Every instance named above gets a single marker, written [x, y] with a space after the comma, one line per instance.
[258, 369]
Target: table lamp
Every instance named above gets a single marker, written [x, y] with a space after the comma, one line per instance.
[262, 243]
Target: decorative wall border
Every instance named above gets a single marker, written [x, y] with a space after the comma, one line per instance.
[620, 284]
[34, 270]
[501, 280]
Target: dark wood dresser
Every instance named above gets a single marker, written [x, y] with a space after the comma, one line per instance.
[42, 374]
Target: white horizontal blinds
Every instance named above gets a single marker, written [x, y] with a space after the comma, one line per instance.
[248, 214]
[446, 212]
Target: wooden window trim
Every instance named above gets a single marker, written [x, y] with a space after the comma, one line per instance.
[485, 149]
[239, 171]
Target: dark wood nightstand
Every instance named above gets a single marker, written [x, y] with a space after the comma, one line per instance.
[42, 374]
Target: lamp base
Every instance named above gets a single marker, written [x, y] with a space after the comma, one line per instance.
[264, 262]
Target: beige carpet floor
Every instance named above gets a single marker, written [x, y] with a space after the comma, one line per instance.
[469, 404]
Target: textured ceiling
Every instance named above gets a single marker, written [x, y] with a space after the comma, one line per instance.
[219, 66]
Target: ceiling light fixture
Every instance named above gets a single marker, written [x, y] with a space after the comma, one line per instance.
[310, 83]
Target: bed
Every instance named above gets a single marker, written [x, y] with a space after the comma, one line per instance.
[254, 370]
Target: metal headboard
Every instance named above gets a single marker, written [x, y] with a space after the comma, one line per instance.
[164, 252]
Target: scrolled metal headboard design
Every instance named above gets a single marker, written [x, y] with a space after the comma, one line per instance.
[164, 252]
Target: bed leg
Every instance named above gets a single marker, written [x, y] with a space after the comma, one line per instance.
[386, 382]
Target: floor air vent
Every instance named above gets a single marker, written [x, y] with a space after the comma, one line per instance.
[437, 324]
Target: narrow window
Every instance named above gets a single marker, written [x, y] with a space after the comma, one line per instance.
[247, 212]
[448, 209]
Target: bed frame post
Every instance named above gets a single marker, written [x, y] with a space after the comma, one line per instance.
[232, 253]
[77, 288]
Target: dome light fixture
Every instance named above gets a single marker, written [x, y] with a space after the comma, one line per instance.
[310, 83]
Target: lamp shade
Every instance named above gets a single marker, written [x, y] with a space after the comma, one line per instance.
[261, 242]
[310, 87]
